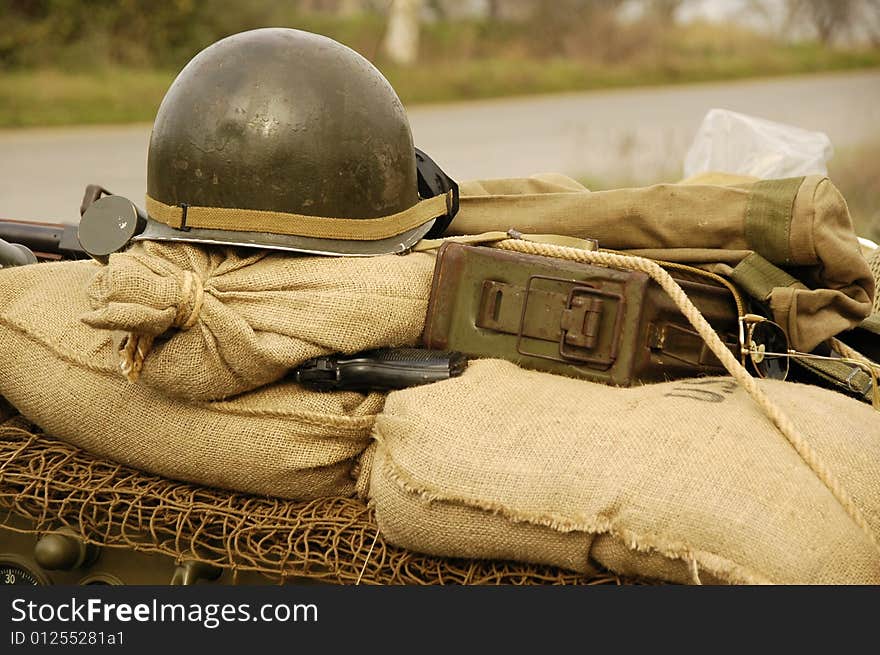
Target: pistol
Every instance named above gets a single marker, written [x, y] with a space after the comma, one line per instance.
[380, 370]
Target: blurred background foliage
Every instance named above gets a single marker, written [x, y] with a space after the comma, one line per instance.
[74, 61]
[85, 34]
[75, 35]
[109, 61]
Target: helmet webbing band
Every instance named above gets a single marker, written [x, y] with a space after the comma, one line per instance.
[301, 225]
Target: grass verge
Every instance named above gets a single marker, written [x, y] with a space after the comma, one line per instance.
[856, 172]
[121, 95]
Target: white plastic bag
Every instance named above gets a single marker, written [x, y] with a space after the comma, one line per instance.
[729, 142]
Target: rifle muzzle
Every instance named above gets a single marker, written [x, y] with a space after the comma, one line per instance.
[15, 254]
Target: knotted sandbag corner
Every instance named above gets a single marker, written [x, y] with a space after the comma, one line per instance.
[208, 323]
[681, 481]
[280, 440]
[789, 242]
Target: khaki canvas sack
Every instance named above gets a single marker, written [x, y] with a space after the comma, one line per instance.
[787, 242]
[682, 481]
[280, 440]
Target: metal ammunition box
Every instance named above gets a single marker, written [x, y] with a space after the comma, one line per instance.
[569, 318]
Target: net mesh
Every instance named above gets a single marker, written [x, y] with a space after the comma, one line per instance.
[53, 484]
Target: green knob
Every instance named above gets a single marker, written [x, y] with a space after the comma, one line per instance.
[60, 552]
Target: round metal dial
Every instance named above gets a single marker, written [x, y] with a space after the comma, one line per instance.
[12, 573]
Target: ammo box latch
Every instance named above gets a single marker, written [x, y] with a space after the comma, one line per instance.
[685, 345]
[554, 309]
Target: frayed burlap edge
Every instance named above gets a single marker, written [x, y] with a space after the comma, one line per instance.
[54, 485]
[718, 566]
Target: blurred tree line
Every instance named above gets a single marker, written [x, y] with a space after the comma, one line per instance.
[83, 34]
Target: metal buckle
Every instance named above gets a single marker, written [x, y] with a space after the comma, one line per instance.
[850, 381]
[569, 333]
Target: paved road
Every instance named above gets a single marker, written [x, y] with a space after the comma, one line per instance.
[634, 134]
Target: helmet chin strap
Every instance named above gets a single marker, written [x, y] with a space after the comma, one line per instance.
[433, 181]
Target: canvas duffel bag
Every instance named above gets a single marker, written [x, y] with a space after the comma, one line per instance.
[789, 243]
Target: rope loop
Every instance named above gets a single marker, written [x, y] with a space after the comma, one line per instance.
[135, 347]
[781, 420]
[192, 296]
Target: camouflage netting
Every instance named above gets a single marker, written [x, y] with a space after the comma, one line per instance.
[54, 484]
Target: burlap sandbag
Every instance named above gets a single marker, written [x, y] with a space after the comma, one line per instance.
[680, 481]
[747, 229]
[61, 374]
[874, 264]
[231, 320]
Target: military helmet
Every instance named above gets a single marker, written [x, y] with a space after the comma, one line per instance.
[279, 138]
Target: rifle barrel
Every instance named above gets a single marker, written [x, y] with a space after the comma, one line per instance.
[15, 254]
[52, 238]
